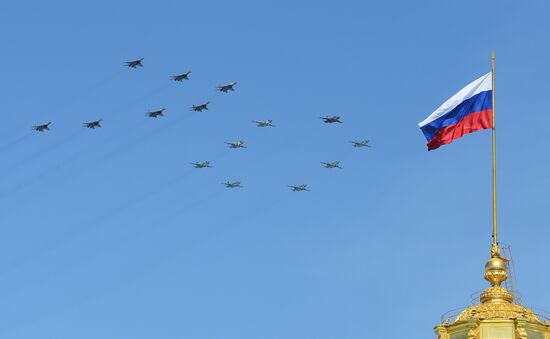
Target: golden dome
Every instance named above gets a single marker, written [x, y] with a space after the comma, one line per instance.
[496, 301]
[497, 315]
[500, 310]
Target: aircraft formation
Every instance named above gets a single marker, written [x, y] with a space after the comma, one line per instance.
[225, 88]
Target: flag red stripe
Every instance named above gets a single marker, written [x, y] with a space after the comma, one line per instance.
[472, 122]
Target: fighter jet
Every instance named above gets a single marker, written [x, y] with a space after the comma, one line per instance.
[236, 144]
[234, 184]
[181, 77]
[42, 128]
[157, 113]
[264, 123]
[92, 124]
[204, 164]
[227, 88]
[298, 188]
[135, 63]
[331, 120]
[334, 164]
[360, 143]
[201, 107]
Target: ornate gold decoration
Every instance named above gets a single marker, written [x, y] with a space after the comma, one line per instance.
[496, 301]
[521, 333]
[473, 333]
[497, 311]
[442, 332]
[495, 250]
[496, 293]
[497, 315]
[495, 270]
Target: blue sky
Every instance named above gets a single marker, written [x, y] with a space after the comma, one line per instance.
[110, 233]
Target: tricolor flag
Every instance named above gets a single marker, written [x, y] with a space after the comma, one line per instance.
[467, 111]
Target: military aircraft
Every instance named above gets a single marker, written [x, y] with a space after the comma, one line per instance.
[264, 123]
[181, 77]
[201, 107]
[42, 128]
[298, 188]
[135, 63]
[333, 164]
[331, 120]
[157, 113]
[204, 164]
[92, 124]
[227, 88]
[236, 144]
[360, 143]
[234, 184]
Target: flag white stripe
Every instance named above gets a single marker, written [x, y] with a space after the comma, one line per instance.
[475, 87]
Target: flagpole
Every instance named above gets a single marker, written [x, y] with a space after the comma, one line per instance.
[494, 250]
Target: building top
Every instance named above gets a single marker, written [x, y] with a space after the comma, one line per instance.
[498, 315]
[496, 301]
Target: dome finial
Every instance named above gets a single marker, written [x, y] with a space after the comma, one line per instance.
[496, 273]
[495, 250]
[497, 302]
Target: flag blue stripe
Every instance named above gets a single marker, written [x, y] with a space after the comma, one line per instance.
[479, 102]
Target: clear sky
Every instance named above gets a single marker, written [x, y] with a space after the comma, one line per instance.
[110, 233]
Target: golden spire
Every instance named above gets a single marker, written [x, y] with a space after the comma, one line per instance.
[495, 251]
[495, 273]
[497, 302]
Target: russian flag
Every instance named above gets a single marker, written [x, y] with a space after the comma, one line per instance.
[467, 111]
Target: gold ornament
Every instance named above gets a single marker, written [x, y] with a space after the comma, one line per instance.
[473, 333]
[521, 333]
